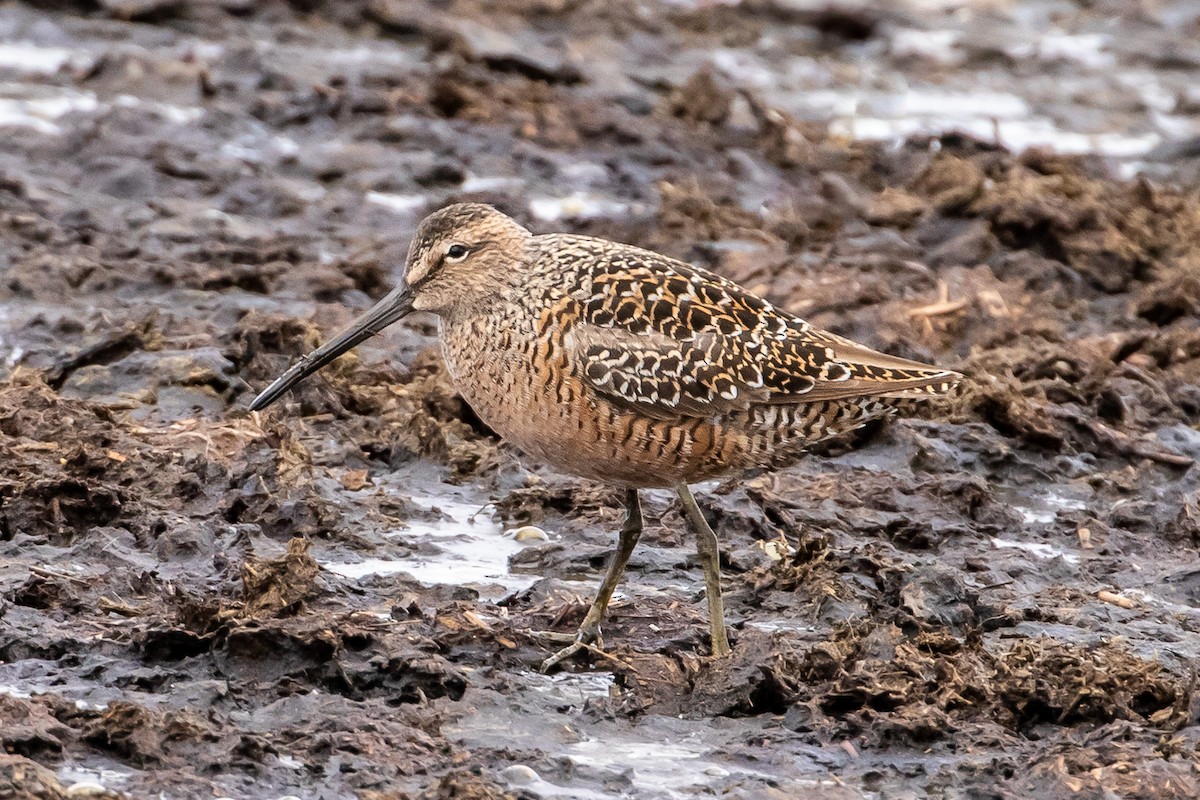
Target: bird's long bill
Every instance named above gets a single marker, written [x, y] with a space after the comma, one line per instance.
[397, 304]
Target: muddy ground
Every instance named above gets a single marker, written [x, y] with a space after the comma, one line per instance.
[1002, 600]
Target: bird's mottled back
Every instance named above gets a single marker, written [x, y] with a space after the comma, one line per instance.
[672, 340]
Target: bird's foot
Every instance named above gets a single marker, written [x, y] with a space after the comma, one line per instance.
[555, 636]
[718, 637]
[720, 647]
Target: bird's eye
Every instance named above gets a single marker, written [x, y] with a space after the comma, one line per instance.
[456, 252]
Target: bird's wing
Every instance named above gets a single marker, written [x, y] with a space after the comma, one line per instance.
[674, 340]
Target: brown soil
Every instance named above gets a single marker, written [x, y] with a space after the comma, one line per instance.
[998, 601]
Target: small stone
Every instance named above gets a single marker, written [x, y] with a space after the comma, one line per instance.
[530, 533]
[88, 789]
[895, 208]
[520, 775]
[521, 53]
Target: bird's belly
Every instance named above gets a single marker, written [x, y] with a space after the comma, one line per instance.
[539, 404]
[534, 398]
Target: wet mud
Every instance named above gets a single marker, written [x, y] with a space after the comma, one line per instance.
[328, 599]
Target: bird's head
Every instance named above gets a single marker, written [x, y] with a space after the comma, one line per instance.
[461, 258]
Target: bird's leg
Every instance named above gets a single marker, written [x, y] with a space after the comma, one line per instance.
[710, 561]
[589, 630]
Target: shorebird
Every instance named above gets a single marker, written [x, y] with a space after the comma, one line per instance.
[621, 365]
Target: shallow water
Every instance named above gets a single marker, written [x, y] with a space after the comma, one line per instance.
[659, 759]
[40, 108]
[473, 551]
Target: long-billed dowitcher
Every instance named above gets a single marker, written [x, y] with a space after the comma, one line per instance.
[624, 366]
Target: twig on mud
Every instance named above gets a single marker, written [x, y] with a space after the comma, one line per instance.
[39, 447]
[591, 648]
[1148, 450]
[1116, 599]
[1085, 538]
[42, 572]
[940, 307]
[366, 619]
[222, 438]
[996, 585]
[476, 620]
[119, 607]
[596, 651]
[471, 517]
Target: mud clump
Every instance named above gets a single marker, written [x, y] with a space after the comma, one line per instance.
[137, 735]
[21, 777]
[996, 599]
[1048, 682]
[277, 587]
[31, 730]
